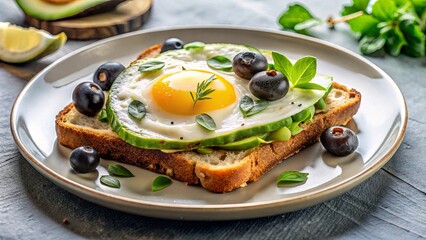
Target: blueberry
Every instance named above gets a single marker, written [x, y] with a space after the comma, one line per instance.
[88, 98]
[247, 64]
[84, 159]
[339, 141]
[269, 85]
[106, 74]
[172, 44]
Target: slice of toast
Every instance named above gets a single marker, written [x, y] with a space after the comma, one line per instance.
[220, 171]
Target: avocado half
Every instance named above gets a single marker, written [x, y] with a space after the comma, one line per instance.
[45, 10]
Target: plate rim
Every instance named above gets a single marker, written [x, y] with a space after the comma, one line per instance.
[314, 197]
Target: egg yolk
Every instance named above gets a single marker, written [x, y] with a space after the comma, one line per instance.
[171, 92]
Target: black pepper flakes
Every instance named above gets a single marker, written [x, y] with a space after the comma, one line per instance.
[292, 103]
[181, 138]
[242, 124]
[299, 105]
[172, 123]
[65, 221]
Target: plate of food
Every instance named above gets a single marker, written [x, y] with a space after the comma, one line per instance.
[209, 123]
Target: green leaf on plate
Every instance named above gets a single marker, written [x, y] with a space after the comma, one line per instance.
[206, 121]
[137, 109]
[151, 66]
[291, 177]
[194, 45]
[220, 63]
[369, 45]
[160, 183]
[297, 14]
[304, 70]
[110, 181]
[118, 170]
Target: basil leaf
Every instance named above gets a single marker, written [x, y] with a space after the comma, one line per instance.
[160, 183]
[110, 181]
[304, 70]
[365, 25]
[194, 45]
[220, 63]
[246, 104]
[151, 66]
[259, 106]
[118, 170]
[294, 15]
[271, 66]
[290, 177]
[370, 45]
[103, 117]
[137, 109]
[357, 5]
[384, 10]
[282, 64]
[206, 121]
[310, 86]
[308, 24]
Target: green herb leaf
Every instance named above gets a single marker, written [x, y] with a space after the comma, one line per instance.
[103, 117]
[365, 24]
[295, 128]
[246, 103]
[160, 183]
[202, 90]
[415, 39]
[251, 48]
[291, 177]
[183, 68]
[304, 70]
[321, 105]
[282, 64]
[370, 45]
[118, 170]
[297, 14]
[206, 121]
[395, 41]
[137, 109]
[151, 66]
[307, 24]
[220, 63]
[248, 107]
[194, 45]
[310, 86]
[110, 181]
[384, 10]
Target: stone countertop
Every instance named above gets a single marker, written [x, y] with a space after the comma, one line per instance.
[389, 205]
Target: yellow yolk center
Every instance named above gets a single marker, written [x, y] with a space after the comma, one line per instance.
[171, 92]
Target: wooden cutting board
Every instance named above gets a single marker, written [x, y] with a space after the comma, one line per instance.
[128, 16]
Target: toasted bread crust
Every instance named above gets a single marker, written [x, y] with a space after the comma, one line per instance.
[213, 178]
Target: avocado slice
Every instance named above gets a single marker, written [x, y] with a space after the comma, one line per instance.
[45, 10]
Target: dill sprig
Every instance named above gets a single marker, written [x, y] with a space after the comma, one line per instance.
[202, 91]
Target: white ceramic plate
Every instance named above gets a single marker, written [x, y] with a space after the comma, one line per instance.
[381, 122]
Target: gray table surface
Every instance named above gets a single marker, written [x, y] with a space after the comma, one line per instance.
[389, 205]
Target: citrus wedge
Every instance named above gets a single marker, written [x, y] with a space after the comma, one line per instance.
[19, 44]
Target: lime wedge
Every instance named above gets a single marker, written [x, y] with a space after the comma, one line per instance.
[19, 44]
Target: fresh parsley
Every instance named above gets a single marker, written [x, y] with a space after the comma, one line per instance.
[202, 90]
[301, 73]
[291, 177]
[118, 170]
[160, 183]
[206, 121]
[391, 26]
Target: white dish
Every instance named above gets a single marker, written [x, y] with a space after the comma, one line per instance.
[381, 122]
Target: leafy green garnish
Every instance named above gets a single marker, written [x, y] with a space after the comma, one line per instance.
[393, 26]
[118, 170]
[301, 73]
[298, 18]
[151, 66]
[203, 90]
[110, 181]
[249, 107]
[206, 121]
[103, 117]
[291, 177]
[137, 109]
[194, 45]
[220, 63]
[160, 183]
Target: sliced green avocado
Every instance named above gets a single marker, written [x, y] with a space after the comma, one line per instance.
[44, 10]
[245, 143]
